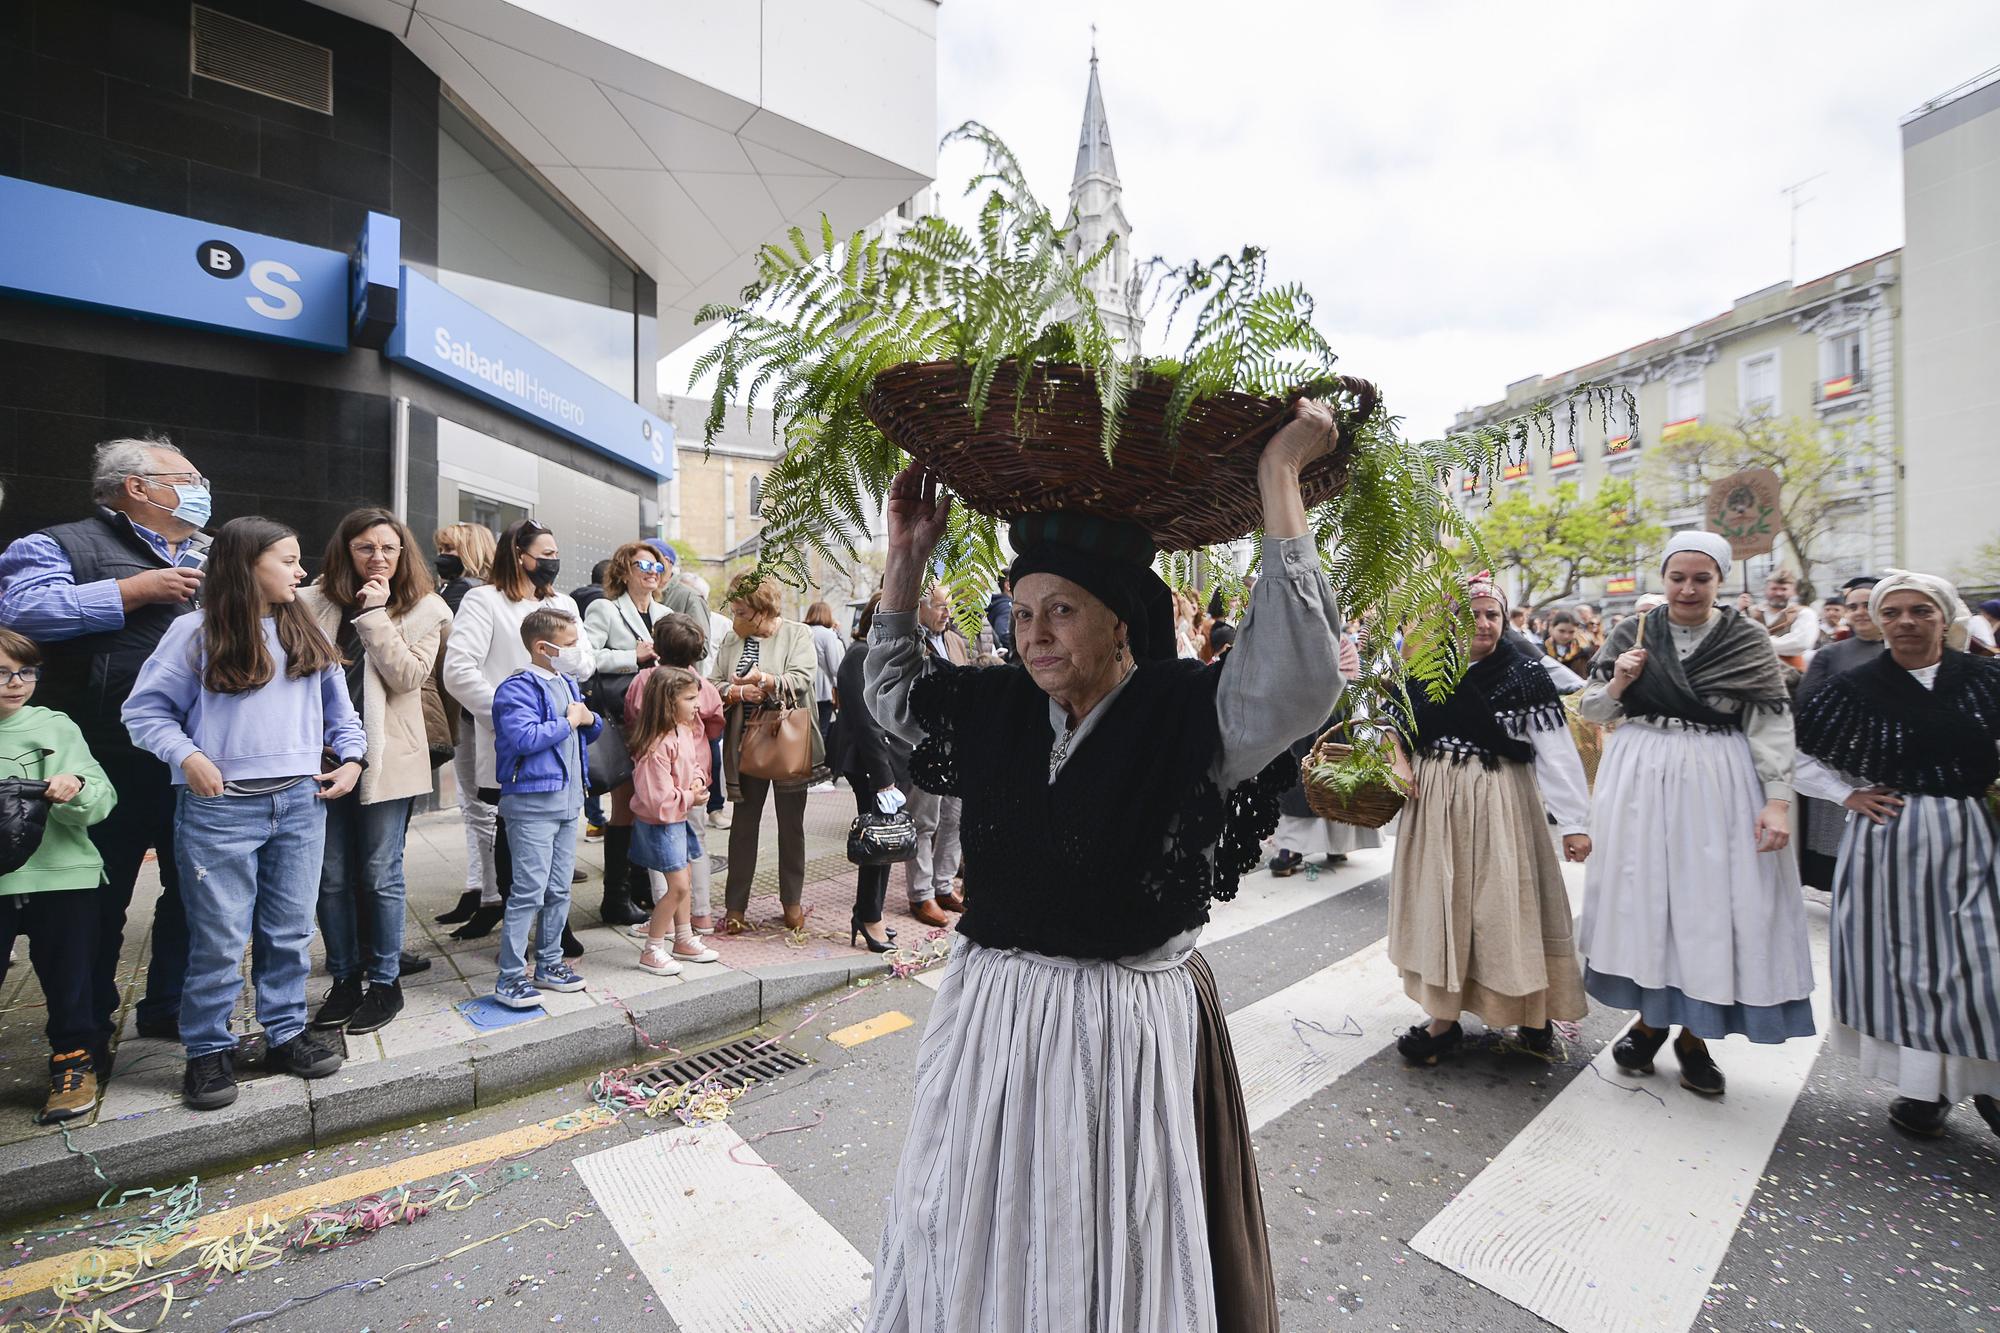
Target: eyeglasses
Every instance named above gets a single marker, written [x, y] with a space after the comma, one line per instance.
[185, 478]
[649, 567]
[369, 552]
[26, 675]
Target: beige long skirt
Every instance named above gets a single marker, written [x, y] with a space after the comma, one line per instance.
[1479, 921]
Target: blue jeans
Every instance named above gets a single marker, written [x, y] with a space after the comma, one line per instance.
[363, 872]
[544, 853]
[249, 873]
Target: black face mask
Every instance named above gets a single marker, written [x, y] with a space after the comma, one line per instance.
[546, 570]
[450, 568]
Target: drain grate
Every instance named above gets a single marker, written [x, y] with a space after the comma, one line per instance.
[735, 1064]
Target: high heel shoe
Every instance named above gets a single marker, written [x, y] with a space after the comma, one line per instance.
[462, 910]
[480, 924]
[858, 932]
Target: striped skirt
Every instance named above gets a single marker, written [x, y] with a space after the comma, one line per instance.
[1916, 930]
[1052, 1175]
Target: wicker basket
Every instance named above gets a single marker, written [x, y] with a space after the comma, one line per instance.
[1371, 806]
[1047, 454]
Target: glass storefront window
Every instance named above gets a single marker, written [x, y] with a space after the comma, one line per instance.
[511, 250]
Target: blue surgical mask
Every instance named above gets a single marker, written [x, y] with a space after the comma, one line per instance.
[193, 504]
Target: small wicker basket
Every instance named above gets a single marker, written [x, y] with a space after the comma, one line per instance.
[1370, 806]
[1037, 447]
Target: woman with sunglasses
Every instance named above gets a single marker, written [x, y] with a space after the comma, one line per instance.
[619, 626]
[484, 649]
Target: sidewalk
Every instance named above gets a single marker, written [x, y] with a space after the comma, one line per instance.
[434, 1059]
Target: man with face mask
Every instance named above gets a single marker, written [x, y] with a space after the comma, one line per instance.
[98, 595]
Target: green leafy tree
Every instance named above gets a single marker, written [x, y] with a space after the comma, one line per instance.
[1551, 541]
[1818, 466]
[1981, 569]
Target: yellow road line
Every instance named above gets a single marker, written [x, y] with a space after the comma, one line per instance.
[867, 1030]
[41, 1274]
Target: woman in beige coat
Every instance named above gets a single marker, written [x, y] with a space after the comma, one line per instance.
[373, 600]
[762, 658]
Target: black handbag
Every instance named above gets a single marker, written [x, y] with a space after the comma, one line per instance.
[608, 764]
[24, 817]
[882, 840]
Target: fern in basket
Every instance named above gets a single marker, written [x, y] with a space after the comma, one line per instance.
[821, 321]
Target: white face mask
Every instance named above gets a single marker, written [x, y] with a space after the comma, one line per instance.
[568, 661]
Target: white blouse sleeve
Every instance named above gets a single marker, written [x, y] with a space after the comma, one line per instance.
[1559, 774]
[895, 661]
[1814, 779]
[1597, 705]
[1772, 751]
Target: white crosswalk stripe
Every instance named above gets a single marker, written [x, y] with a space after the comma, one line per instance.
[1607, 1174]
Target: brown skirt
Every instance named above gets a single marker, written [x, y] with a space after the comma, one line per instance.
[1239, 1251]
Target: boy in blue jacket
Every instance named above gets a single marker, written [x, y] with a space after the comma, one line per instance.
[541, 729]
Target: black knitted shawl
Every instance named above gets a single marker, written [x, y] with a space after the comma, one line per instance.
[1733, 661]
[1126, 847]
[1876, 722]
[1502, 697]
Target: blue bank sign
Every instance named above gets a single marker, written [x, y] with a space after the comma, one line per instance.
[77, 249]
[451, 339]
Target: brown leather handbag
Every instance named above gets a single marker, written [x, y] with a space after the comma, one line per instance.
[780, 741]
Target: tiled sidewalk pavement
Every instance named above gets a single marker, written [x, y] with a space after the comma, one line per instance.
[148, 1072]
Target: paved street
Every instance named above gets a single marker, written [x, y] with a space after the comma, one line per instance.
[1500, 1193]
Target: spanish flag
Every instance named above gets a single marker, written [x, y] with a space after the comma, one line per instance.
[1840, 388]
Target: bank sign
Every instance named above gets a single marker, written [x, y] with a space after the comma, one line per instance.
[449, 338]
[77, 249]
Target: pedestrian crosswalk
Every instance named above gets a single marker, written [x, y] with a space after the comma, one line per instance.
[1609, 1169]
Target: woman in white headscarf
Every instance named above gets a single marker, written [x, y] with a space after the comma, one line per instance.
[1692, 913]
[1906, 741]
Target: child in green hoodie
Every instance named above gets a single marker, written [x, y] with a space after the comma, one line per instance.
[52, 899]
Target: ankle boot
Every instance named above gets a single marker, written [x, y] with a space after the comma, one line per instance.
[462, 910]
[618, 909]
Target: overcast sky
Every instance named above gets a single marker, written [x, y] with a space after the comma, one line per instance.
[1476, 192]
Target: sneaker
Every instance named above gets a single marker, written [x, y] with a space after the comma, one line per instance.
[561, 977]
[209, 1081]
[656, 959]
[517, 995]
[341, 1001]
[72, 1088]
[378, 1006]
[719, 818]
[593, 833]
[307, 1055]
[698, 954]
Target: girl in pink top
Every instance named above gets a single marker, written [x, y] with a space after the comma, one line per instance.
[670, 777]
[682, 641]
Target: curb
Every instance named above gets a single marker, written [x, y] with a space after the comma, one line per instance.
[275, 1117]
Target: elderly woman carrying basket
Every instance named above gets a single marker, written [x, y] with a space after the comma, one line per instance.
[1479, 918]
[1906, 741]
[1111, 789]
[1692, 913]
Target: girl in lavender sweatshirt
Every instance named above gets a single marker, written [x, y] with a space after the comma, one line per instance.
[247, 705]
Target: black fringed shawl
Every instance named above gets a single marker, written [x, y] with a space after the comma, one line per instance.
[1878, 723]
[1503, 696]
[1734, 661]
[1114, 857]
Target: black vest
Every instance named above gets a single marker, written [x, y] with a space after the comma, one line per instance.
[89, 677]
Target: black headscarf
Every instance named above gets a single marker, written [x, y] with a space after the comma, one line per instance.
[1113, 562]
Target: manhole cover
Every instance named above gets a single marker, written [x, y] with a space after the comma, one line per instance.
[718, 865]
[735, 1064]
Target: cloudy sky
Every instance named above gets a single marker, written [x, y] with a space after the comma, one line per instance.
[1476, 192]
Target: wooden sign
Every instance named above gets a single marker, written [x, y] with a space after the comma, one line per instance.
[1744, 509]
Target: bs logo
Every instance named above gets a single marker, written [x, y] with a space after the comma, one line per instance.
[220, 259]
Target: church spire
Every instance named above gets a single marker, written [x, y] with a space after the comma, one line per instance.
[1093, 146]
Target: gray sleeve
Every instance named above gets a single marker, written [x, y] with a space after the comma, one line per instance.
[1771, 750]
[1282, 679]
[895, 661]
[1597, 705]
